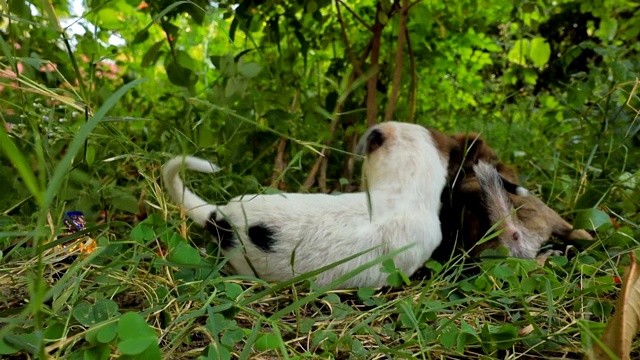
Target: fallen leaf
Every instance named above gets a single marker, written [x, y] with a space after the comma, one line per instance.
[623, 325]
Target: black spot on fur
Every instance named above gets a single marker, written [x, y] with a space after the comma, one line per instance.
[375, 140]
[262, 237]
[223, 231]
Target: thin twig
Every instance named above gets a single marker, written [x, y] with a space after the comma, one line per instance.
[360, 20]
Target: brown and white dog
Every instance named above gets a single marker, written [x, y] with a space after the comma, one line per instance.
[484, 194]
[277, 237]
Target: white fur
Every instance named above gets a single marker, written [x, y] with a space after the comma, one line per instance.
[405, 178]
[515, 235]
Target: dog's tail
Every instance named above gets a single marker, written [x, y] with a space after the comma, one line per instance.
[197, 208]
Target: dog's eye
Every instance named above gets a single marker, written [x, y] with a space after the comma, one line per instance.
[375, 140]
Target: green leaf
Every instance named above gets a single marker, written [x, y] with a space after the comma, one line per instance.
[134, 334]
[152, 55]
[591, 219]
[21, 164]
[6, 349]
[248, 70]
[185, 60]
[179, 75]
[150, 353]
[365, 293]
[312, 7]
[185, 254]
[235, 85]
[503, 272]
[505, 336]
[232, 290]
[87, 314]
[267, 342]
[20, 8]
[383, 18]
[608, 29]
[109, 19]
[100, 352]
[142, 233]
[519, 51]
[218, 353]
[140, 37]
[123, 200]
[449, 339]
[107, 333]
[232, 336]
[29, 342]
[539, 51]
[90, 155]
[306, 325]
[227, 66]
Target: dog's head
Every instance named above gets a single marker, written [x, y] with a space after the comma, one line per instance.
[471, 207]
[525, 222]
[405, 154]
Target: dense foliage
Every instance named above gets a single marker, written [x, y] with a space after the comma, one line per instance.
[277, 92]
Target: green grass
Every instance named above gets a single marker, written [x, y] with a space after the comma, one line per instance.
[148, 290]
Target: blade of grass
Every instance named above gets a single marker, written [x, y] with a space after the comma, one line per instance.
[21, 164]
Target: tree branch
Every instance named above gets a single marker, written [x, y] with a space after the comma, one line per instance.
[372, 106]
[397, 73]
[414, 78]
[352, 57]
[277, 179]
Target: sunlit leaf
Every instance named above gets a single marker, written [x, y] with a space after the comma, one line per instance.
[608, 29]
[519, 51]
[539, 51]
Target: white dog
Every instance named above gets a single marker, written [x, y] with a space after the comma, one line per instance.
[279, 236]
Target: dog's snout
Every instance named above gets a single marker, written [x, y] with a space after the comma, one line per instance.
[374, 140]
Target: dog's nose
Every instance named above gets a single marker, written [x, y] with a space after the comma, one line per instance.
[374, 140]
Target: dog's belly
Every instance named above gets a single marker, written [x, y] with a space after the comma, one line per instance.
[309, 232]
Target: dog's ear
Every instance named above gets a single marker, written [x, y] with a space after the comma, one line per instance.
[508, 175]
[448, 148]
[474, 149]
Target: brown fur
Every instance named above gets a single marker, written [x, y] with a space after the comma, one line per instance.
[466, 218]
